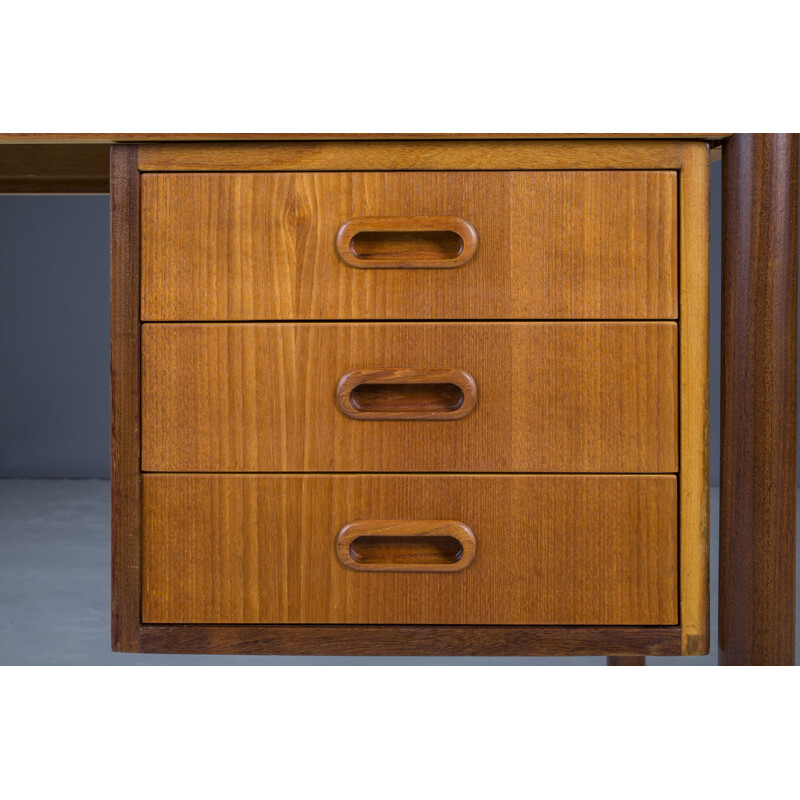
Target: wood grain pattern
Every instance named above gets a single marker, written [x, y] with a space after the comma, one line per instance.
[73, 177]
[432, 639]
[694, 450]
[550, 549]
[759, 400]
[406, 394]
[391, 545]
[412, 640]
[552, 397]
[407, 242]
[125, 387]
[553, 245]
[399, 155]
[54, 169]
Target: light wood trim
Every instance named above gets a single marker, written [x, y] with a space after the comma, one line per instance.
[413, 260]
[427, 409]
[423, 155]
[694, 409]
[406, 529]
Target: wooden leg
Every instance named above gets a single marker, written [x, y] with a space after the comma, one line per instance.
[759, 401]
[625, 661]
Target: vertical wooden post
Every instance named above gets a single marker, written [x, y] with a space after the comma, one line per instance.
[693, 503]
[125, 426]
[759, 400]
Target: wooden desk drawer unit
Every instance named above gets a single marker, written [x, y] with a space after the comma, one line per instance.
[412, 398]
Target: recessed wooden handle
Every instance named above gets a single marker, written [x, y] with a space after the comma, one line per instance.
[393, 393]
[387, 545]
[406, 242]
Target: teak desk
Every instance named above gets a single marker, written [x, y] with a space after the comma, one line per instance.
[442, 394]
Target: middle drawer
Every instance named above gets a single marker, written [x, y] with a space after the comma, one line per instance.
[548, 397]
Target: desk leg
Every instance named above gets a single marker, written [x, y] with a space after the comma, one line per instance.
[759, 399]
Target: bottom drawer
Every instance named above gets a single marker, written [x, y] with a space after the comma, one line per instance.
[410, 549]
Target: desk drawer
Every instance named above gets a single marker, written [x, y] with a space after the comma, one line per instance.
[418, 245]
[567, 549]
[412, 397]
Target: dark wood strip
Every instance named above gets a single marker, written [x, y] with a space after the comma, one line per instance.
[759, 405]
[54, 185]
[410, 640]
[54, 168]
[125, 427]
[284, 137]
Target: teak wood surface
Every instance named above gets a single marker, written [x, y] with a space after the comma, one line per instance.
[626, 661]
[122, 138]
[430, 394]
[551, 245]
[552, 397]
[406, 242]
[409, 156]
[366, 639]
[564, 550]
[392, 545]
[125, 402]
[77, 163]
[54, 168]
[694, 399]
[759, 400]
[413, 640]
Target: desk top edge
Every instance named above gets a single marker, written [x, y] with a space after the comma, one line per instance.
[111, 138]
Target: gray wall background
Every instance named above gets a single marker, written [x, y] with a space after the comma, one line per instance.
[54, 346]
[54, 337]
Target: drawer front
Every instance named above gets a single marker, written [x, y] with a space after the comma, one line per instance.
[482, 397]
[548, 549]
[546, 245]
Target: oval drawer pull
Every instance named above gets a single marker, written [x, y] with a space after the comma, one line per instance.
[392, 393]
[406, 242]
[406, 545]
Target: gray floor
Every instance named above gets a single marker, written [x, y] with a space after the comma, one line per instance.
[54, 585]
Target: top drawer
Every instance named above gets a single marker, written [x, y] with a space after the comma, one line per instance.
[547, 245]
